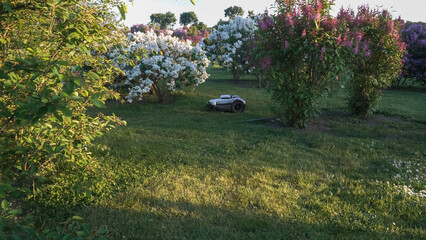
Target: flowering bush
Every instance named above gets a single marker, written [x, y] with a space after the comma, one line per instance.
[415, 58]
[159, 64]
[376, 52]
[229, 45]
[192, 34]
[301, 45]
[259, 64]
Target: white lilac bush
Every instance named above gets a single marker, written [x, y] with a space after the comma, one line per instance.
[230, 44]
[159, 64]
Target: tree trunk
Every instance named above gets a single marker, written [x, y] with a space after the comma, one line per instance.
[236, 75]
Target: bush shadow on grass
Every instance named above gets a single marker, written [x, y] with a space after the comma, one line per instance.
[409, 88]
[184, 220]
[340, 123]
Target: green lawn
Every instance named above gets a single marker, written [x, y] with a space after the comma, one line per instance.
[182, 172]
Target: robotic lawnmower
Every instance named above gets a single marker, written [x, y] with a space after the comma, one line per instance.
[227, 103]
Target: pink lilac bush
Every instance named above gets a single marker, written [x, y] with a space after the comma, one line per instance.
[301, 46]
[195, 37]
[375, 49]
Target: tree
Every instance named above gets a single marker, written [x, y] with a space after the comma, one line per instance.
[165, 20]
[187, 18]
[200, 26]
[234, 11]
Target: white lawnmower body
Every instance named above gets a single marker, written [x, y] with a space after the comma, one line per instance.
[227, 103]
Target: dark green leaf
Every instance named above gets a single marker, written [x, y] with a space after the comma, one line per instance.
[15, 237]
[66, 112]
[35, 75]
[58, 116]
[8, 7]
[94, 99]
[102, 231]
[15, 212]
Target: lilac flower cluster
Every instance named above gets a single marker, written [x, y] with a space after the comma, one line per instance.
[301, 17]
[357, 38]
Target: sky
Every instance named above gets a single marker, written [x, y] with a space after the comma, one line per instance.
[210, 11]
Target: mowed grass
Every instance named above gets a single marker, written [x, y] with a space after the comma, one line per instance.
[183, 172]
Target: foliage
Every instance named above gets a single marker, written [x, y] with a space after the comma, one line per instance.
[234, 11]
[188, 18]
[301, 46]
[230, 43]
[14, 225]
[165, 20]
[52, 70]
[376, 52]
[415, 59]
[159, 64]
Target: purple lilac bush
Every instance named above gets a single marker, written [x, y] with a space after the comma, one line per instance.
[415, 58]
